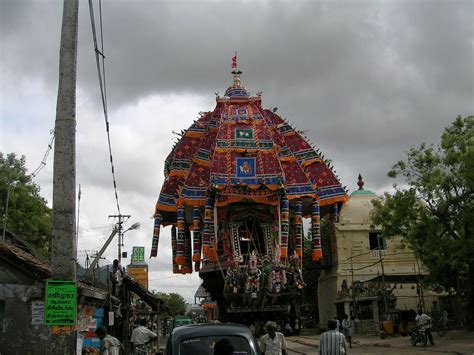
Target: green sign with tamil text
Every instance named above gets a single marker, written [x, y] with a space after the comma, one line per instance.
[61, 302]
[138, 254]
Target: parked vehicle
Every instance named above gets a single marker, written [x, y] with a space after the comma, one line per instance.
[178, 321]
[418, 335]
[202, 338]
[399, 322]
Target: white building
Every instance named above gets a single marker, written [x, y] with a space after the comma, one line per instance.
[363, 265]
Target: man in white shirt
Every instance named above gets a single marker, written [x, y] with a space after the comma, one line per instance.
[108, 344]
[424, 320]
[141, 336]
[273, 343]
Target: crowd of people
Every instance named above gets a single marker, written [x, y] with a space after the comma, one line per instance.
[335, 341]
[142, 337]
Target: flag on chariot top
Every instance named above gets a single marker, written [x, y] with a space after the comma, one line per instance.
[234, 61]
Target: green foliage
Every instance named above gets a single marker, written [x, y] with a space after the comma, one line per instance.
[29, 217]
[175, 302]
[310, 275]
[433, 209]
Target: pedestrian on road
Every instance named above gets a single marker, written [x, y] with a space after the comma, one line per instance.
[332, 342]
[297, 327]
[141, 337]
[109, 345]
[273, 343]
[423, 320]
[338, 324]
[347, 329]
[444, 319]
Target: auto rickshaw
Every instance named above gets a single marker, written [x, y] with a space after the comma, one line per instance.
[397, 322]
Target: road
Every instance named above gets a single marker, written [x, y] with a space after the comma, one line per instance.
[299, 349]
[455, 343]
[463, 344]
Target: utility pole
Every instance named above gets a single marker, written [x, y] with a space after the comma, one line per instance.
[384, 293]
[10, 186]
[98, 255]
[354, 313]
[64, 179]
[121, 220]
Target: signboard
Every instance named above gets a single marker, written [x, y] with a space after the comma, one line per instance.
[37, 313]
[140, 274]
[111, 318]
[61, 302]
[138, 254]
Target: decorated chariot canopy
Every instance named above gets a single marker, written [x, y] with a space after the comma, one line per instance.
[241, 174]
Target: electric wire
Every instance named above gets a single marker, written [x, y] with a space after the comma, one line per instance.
[45, 156]
[102, 85]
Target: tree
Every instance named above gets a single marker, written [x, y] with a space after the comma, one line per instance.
[433, 210]
[29, 216]
[175, 302]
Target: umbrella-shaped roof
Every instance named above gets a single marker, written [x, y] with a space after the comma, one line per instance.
[245, 153]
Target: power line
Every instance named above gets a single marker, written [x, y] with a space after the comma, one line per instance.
[103, 87]
[45, 156]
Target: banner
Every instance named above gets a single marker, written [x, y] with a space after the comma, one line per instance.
[61, 302]
[140, 274]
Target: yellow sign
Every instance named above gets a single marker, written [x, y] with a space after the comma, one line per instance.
[140, 274]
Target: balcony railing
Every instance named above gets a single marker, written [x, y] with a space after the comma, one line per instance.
[376, 253]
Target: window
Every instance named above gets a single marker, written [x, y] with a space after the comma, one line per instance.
[376, 242]
[205, 345]
[364, 310]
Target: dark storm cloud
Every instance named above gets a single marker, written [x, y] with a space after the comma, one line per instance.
[368, 80]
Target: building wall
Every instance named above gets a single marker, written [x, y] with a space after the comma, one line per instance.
[327, 290]
[17, 292]
[355, 261]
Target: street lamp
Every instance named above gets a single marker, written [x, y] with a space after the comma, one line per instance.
[10, 186]
[134, 226]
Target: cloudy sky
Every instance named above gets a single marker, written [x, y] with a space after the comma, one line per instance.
[367, 80]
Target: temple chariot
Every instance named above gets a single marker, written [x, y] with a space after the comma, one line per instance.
[238, 184]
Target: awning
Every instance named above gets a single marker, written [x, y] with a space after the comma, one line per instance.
[399, 278]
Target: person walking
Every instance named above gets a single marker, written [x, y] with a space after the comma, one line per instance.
[273, 343]
[141, 337]
[297, 327]
[332, 342]
[347, 329]
[424, 320]
[109, 345]
[444, 319]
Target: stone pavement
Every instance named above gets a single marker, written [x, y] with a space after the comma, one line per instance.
[454, 342]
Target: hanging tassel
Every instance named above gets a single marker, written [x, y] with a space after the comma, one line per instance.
[336, 213]
[285, 214]
[206, 235]
[180, 260]
[188, 266]
[317, 252]
[156, 236]
[299, 228]
[174, 249]
[196, 235]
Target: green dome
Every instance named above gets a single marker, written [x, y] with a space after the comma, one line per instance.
[362, 192]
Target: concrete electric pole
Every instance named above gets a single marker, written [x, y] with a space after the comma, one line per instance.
[64, 180]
